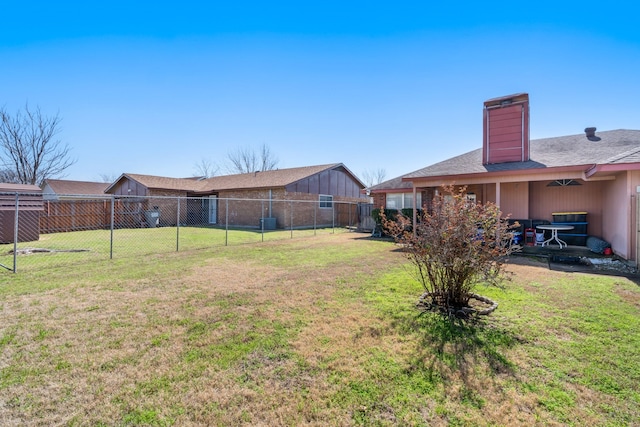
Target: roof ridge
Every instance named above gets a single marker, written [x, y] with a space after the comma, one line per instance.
[621, 156]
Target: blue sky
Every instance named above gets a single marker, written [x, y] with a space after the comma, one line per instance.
[155, 87]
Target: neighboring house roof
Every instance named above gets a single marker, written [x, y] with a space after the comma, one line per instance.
[613, 147]
[272, 178]
[265, 179]
[392, 185]
[84, 188]
[19, 188]
[161, 182]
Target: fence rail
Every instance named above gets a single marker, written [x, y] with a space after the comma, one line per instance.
[37, 234]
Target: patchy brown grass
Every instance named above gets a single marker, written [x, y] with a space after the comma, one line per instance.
[283, 334]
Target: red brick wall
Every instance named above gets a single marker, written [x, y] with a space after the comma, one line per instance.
[297, 210]
[379, 200]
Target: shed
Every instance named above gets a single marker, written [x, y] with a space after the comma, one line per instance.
[29, 207]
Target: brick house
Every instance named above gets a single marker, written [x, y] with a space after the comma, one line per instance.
[593, 173]
[244, 200]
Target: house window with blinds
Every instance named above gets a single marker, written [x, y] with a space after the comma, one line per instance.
[402, 200]
[326, 201]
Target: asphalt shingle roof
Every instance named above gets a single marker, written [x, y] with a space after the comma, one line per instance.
[614, 146]
[61, 186]
[265, 179]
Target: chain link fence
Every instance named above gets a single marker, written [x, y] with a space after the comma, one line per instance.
[36, 233]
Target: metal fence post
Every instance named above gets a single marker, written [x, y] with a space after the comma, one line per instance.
[315, 217]
[178, 227]
[226, 223]
[333, 217]
[113, 217]
[291, 214]
[262, 218]
[15, 234]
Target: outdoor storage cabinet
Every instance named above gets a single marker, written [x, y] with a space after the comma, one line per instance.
[29, 206]
[577, 236]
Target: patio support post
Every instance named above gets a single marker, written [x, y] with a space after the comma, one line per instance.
[415, 208]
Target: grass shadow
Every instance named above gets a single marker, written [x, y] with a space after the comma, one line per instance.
[448, 348]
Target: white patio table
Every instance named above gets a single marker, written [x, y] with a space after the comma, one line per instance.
[554, 233]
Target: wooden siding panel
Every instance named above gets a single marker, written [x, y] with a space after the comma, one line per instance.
[514, 200]
[503, 145]
[504, 156]
[324, 182]
[506, 127]
[505, 113]
[512, 125]
[588, 197]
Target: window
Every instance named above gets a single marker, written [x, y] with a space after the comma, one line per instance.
[402, 200]
[471, 198]
[326, 201]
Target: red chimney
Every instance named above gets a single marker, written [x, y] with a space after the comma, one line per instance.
[506, 129]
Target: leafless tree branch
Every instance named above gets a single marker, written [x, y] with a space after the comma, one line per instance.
[205, 168]
[371, 177]
[28, 147]
[248, 160]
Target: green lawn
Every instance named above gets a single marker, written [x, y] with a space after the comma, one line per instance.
[78, 247]
[311, 331]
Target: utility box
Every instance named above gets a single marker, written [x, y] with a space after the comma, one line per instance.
[26, 200]
[267, 223]
[152, 217]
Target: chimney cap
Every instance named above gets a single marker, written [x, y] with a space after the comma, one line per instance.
[507, 99]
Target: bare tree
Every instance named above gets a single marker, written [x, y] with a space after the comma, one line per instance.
[8, 176]
[205, 168]
[248, 160]
[371, 177]
[29, 148]
[108, 177]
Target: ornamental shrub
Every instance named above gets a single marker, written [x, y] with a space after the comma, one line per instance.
[455, 247]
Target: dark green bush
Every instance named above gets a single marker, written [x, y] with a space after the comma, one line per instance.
[390, 214]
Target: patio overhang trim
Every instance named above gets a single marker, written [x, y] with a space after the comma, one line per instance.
[521, 175]
[611, 167]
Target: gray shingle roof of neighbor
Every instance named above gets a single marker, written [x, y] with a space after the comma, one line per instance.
[609, 147]
[163, 182]
[392, 184]
[265, 179]
[272, 178]
[19, 188]
[62, 186]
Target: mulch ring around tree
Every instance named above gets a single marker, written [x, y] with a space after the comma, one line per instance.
[478, 305]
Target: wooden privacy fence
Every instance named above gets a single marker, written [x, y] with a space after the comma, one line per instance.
[76, 215]
[59, 216]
